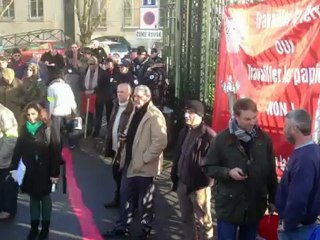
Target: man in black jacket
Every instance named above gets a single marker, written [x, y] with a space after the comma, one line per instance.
[119, 121]
[242, 162]
[192, 185]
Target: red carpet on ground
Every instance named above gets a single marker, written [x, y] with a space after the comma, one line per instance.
[88, 227]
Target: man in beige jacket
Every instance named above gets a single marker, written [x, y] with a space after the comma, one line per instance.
[145, 141]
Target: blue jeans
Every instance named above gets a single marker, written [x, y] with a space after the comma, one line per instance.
[228, 231]
[302, 233]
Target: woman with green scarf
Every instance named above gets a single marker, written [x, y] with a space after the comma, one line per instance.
[38, 151]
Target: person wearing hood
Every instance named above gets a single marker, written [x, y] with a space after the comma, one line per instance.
[11, 92]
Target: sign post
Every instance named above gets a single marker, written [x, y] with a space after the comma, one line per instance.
[149, 2]
[149, 18]
[149, 34]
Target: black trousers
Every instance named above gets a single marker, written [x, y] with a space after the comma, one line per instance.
[62, 123]
[99, 114]
[8, 192]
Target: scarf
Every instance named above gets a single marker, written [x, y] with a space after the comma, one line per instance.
[91, 82]
[241, 134]
[75, 62]
[33, 127]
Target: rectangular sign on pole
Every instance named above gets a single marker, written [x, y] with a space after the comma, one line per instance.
[280, 74]
[149, 34]
[149, 2]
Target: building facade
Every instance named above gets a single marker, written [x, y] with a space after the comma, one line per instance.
[121, 18]
[30, 15]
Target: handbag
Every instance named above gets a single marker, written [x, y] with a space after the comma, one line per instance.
[268, 227]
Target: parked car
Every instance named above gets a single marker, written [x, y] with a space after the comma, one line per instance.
[119, 39]
[114, 47]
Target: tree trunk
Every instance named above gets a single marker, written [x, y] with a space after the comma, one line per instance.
[85, 38]
[86, 24]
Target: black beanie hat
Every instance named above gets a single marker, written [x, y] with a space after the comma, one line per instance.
[195, 106]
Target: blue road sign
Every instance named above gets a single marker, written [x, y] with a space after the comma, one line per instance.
[149, 2]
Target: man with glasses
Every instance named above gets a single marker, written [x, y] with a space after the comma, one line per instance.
[145, 141]
[17, 64]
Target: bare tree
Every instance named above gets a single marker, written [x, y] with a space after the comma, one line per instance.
[5, 6]
[87, 21]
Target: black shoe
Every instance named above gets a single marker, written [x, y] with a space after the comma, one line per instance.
[145, 234]
[44, 233]
[112, 204]
[116, 233]
[34, 231]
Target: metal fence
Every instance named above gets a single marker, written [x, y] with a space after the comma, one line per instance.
[191, 43]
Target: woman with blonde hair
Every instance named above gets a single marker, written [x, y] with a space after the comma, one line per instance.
[35, 88]
[40, 153]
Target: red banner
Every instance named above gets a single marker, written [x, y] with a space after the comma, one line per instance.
[270, 52]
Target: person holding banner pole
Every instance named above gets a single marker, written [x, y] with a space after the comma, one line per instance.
[242, 162]
[298, 195]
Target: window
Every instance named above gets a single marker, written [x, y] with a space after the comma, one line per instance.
[96, 10]
[9, 13]
[35, 9]
[131, 13]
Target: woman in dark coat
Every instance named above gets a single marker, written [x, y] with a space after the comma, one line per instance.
[40, 154]
[35, 88]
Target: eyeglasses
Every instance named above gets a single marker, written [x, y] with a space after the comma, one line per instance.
[138, 96]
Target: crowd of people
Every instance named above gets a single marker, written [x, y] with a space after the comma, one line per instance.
[40, 98]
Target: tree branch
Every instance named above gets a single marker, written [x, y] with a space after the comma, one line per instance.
[97, 20]
[6, 8]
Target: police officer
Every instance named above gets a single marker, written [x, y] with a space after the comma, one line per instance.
[142, 64]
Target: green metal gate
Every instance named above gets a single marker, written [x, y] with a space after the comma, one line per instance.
[191, 42]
